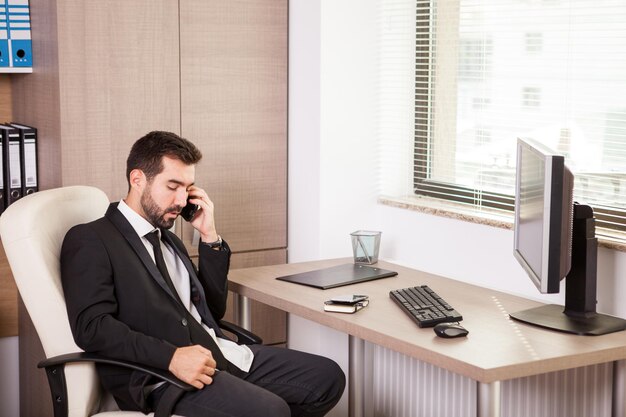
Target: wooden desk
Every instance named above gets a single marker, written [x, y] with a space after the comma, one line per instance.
[496, 349]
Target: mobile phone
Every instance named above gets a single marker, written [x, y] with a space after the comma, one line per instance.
[189, 211]
[349, 299]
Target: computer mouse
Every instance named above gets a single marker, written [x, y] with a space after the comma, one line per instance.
[450, 330]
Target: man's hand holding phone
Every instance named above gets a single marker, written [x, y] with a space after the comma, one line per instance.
[189, 211]
[202, 217]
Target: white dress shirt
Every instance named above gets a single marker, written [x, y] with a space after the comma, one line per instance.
[239, 355]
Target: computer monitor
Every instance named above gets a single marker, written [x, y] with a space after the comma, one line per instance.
[554, 239]
[543, 215]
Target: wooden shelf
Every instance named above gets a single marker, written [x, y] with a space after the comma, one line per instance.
[16, 70]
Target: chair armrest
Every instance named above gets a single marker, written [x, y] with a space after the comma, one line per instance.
[55, 370]
[244, 336]
[95, 358]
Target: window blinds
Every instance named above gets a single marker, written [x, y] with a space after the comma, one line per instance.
[487, 72]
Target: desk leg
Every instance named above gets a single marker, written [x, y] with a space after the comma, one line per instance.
[242, 312]
[360, 378]
[488, 399]
[619, 389]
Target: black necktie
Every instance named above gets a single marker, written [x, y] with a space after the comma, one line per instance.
[197, 332]
[153, 238]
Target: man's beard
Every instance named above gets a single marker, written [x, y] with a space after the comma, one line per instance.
[155, 215]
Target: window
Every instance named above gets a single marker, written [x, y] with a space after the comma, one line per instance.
[531, 97]
[482, 136]
[489, 72]
[533, 42]
[474, 58]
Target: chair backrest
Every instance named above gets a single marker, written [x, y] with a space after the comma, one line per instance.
[32, 231]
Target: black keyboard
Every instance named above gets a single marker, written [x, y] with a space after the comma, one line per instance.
[424, 306]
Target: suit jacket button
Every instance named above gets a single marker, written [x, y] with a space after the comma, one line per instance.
[184, 322]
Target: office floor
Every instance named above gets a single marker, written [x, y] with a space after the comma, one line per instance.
[9, 379]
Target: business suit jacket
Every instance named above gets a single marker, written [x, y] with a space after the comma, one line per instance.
[119, 305]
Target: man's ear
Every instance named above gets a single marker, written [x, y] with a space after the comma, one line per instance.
[137, 179]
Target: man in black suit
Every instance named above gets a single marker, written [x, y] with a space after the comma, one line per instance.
[133, 293]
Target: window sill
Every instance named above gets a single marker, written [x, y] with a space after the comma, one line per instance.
[485, 216]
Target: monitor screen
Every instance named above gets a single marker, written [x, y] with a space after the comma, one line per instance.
[543, 215]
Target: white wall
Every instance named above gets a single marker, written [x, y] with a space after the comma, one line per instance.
[342, 176]
[332, 165]
[304, 115]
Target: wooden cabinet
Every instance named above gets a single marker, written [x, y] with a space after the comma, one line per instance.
[8, 298]
[213, 71]
[234, 104]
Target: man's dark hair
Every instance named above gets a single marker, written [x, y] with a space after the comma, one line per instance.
[148, 152]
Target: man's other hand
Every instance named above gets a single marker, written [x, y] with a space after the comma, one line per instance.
[194, 365]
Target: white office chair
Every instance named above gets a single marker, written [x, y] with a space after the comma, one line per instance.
[32, 231]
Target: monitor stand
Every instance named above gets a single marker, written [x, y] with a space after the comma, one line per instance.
[579, 314]
[553, 316]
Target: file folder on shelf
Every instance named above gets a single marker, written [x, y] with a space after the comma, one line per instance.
[4, 138]
[15, 35]
[11, 164]
[28, 158]
[5, 57]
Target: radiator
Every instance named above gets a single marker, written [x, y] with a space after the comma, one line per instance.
[407, 387]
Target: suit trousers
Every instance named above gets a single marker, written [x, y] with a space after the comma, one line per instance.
[281, 383]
